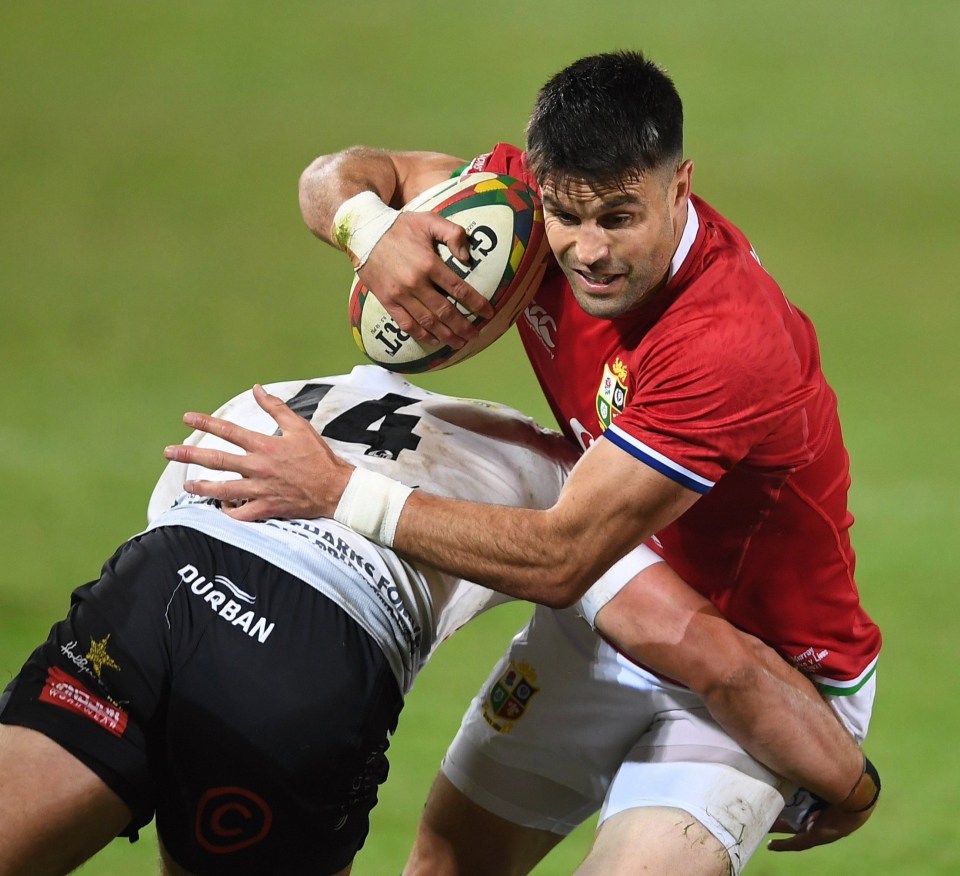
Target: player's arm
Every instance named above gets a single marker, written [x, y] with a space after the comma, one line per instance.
[610, 503]
[351, 200]
[772, 710]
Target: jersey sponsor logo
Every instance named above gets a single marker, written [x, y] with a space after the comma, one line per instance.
[81, 663]
[810, 660]
[386, 591]
[509, 696]
[231, 818]
[98, 657]
[612, 394]
[94, 661]
[227, 607]
[68, 693]
[583, 435]
[477, 165]
[543, 324]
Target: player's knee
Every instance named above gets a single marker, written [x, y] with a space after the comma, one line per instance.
[662, 840]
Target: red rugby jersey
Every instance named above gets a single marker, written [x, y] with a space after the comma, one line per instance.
[717, 384]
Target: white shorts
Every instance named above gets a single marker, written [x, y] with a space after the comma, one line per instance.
[565, 726]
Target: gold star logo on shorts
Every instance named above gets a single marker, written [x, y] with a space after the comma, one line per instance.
[98, 656]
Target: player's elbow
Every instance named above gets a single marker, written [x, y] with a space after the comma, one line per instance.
[561, 582]
[739, 670]
[553, 594]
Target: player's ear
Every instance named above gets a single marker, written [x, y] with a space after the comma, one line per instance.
[681, 186]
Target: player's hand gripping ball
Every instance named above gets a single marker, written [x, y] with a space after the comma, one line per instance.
[503, 218]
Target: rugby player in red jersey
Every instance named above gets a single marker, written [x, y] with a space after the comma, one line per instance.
[694, 388]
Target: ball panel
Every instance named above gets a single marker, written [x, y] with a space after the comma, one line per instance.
[503, 219]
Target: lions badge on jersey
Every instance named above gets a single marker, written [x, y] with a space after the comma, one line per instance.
[509, 695]
[612, 395]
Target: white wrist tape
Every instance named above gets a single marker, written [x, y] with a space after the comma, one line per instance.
[359, 223]
[614, 580]
[371, 505]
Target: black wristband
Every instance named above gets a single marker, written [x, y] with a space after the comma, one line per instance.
[870, 771]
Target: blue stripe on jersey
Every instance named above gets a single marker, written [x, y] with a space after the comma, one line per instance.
[658, 461]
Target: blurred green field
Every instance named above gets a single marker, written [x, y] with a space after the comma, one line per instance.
[152, 260]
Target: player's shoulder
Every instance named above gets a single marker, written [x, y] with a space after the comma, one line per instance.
[505, 159]
[724, 281]
[723, 254]
[726, 315]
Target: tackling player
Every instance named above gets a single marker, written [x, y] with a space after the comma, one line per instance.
[694, 387]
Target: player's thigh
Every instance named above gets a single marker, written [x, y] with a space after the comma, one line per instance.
[655, 840]
[456, 837]
[541, 742]
[55, 812]
[96, 685]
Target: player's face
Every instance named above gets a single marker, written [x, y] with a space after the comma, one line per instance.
[615, 244]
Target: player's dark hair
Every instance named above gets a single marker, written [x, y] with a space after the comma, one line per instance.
[605, 119]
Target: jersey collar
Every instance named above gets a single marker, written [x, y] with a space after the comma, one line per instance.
[686, 241]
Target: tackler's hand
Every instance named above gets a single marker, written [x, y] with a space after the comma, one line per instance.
[291, 474]
[831, 822]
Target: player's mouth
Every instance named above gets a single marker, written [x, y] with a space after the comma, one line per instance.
[598, 283]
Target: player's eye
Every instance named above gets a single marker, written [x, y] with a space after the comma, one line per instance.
[564, 218]
[616, 220]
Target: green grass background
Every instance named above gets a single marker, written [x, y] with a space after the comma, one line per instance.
[152, 260]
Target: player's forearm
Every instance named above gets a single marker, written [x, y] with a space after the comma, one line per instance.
[772, 710]
[521, 552]
[780, 718]
[331, 179]
[552, 556]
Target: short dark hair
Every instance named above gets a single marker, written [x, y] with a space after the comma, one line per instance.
[605, 119]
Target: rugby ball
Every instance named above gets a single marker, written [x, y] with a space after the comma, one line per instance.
[503, 218]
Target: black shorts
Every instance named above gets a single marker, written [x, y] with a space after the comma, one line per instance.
[239, 704]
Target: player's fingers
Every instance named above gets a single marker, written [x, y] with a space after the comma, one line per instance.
[452, 235]
[283, 416]
[248, 512]
[783, 845]
[446, 279]
[801, 842]
[422, 322]
[448, 282]
[217, 460]
[234, 492]
[231, 432]
[816, 835]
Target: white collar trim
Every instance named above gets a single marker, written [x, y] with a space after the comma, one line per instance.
[686, 241]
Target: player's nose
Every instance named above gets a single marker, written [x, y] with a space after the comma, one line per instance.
[591, 244]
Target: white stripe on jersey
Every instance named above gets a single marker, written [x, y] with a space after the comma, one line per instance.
[657, 461]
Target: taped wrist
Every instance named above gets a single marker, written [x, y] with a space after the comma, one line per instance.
[865, 792]
[358, 225]
[371, 505]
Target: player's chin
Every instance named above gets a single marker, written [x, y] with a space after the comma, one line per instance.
[605, 303]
